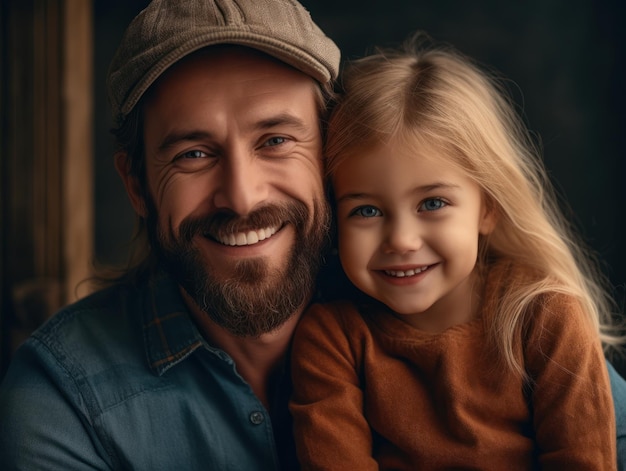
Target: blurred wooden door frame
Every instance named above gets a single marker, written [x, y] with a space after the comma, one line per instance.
[46, 160]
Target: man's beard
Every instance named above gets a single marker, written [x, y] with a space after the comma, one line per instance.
[256, 298]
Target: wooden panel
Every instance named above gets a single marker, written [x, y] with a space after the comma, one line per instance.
[46, 150]
[78, 149]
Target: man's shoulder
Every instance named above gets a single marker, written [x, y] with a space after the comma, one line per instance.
[88, 349]
[105, 311]
[102, 327]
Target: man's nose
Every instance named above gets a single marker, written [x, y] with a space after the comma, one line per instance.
[242, 183]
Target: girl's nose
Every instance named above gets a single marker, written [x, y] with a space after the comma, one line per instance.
[402, 236]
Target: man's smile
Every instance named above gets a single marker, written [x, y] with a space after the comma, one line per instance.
[250, 237]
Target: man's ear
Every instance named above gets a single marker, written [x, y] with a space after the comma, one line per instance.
[131, 183]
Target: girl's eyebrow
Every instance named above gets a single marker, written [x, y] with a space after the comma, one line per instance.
[436, 186]
[352, 196]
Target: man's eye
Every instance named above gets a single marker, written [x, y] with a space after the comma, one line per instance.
[193, 154]
[366, 212]
[275, 141]
[432, 204]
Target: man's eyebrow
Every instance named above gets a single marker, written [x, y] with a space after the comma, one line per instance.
[281, 119]
[175, 137]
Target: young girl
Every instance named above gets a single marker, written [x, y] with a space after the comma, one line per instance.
[477, 340]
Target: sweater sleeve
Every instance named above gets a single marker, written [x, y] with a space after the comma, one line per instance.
[327, 406]
[571, 395]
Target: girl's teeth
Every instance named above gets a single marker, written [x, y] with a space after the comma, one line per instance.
[403, 273]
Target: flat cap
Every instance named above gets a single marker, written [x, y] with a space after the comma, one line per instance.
[168, 30]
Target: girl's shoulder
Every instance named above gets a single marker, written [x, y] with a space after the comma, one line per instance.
[503, 278]
[548, 303]
[502, 275]
[340, 314]
[336, 309]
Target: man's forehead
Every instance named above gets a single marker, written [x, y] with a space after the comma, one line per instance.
[198, 97]
[218, 77]
[226, 61]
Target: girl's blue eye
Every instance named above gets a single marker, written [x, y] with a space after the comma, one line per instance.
[432, 204]
[366, 211]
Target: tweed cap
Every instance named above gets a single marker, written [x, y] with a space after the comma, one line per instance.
[168, 30]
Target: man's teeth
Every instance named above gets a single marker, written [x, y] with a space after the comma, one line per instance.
[247, 238]
[403, 273]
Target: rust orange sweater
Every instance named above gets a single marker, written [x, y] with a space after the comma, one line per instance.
[372, 391]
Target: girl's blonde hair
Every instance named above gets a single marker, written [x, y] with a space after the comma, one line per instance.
[435, 97]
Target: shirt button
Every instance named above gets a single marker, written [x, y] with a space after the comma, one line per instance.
[257, 417]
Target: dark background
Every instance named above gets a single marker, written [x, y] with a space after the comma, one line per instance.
[566, 59]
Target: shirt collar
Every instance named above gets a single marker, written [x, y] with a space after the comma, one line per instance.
[170, 334]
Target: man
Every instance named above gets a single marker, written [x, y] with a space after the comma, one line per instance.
[181, 363]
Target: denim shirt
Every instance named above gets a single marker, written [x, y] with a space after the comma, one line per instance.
[123, 380]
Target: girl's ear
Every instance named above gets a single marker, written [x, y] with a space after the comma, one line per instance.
[488, 217]
[131, 183]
